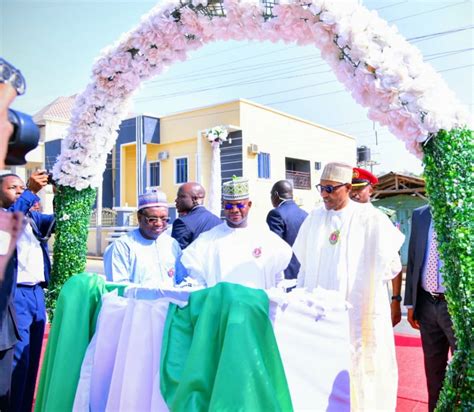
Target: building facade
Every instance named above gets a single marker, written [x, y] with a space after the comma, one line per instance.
[264, 145]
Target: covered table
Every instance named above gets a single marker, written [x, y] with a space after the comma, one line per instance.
[230, 347]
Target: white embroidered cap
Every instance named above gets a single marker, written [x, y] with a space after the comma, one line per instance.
[337, 172]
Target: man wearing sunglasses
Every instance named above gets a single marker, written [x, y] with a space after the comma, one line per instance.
[146, 255]
[353, 249]
[237, 251]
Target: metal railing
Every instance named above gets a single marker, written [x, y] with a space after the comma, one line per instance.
[301, 180]
[109, 217]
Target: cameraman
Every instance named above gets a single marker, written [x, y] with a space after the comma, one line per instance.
[31, 269]
[11, 224]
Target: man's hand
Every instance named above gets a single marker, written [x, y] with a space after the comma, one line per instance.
[396, 312]
[11, 227]
[411, 320]
[37, 181]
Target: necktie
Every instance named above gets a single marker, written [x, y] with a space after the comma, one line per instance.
[432, 266]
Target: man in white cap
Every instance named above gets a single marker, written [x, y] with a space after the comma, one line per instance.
[352, 248]
[146, 255]
[234, 251]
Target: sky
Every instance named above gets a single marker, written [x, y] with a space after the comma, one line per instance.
[55, 43]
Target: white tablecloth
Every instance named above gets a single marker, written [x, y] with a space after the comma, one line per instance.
[120, 371]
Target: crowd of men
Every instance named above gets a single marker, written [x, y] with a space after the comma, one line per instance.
[345, 245]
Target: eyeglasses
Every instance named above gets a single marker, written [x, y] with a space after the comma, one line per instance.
[153, 219]
[329, 188]
[230, 206]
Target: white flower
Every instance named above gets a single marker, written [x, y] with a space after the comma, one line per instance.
[217, 134]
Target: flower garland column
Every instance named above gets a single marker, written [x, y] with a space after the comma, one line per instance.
[216, 136]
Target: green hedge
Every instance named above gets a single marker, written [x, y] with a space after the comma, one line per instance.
[73, 210]
[449, 173]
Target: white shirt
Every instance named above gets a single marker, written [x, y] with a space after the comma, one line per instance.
[30, 258]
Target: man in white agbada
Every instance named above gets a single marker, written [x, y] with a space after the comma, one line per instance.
[234, 251]
[147, 255]
[353, 248]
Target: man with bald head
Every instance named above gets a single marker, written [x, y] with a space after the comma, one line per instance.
[194, 217]
[285, 220]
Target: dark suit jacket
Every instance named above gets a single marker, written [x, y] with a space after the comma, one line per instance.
[189, 227]
[420, 224]
[285, 220]
[43, 223]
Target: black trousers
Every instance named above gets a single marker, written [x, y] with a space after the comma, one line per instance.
[6, 366]
[437, 338]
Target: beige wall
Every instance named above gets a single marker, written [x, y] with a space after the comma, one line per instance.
[283, 136]
[128, 175]
[179, 134]
[185, 148]
[55, 130]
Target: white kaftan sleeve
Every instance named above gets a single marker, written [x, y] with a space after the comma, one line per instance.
[195, 258]
[300, 250]
[388, 243]
[117, 262]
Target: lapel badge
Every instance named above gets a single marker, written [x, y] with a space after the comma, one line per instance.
[334, 237]
[257, 252]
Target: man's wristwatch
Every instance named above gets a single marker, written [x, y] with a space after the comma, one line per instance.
[398, 298]
[12, 76]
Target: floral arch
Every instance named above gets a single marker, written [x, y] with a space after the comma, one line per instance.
[377, 65]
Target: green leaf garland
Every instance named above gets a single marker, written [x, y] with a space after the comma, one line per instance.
[72, 209]
[449, 172]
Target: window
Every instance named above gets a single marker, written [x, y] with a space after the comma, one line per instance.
[299, 172]
[264, 165]
[154, 174]
[181, 170]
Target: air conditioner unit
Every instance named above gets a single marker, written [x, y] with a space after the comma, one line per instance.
[253, 149]
[163, 155]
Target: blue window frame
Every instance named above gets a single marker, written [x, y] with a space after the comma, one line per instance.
[264, 165]
[181, 170]
[154, 174]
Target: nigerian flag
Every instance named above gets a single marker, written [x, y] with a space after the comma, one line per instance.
[219, 353]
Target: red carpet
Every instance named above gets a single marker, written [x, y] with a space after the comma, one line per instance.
[412, 392]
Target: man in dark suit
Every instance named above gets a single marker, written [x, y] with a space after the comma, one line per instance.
[424, 298]
[30, 267]
[194, 218]
[285, 220]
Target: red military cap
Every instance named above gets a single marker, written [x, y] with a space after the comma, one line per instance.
[362, 177]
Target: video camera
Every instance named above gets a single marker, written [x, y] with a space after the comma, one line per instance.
[25, 137]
